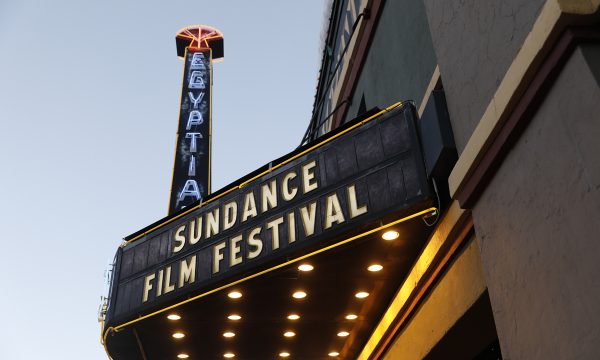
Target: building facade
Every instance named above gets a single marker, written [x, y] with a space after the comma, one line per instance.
[510, 269]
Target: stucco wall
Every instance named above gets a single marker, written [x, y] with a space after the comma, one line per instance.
[458, 289]
[475, 42]
[538, 225]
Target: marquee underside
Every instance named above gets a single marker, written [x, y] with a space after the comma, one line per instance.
[339, 273]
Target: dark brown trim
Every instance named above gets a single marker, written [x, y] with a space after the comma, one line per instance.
[457, 237]
[522, 113]
[358, 58]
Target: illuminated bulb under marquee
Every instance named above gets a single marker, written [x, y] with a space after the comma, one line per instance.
[390, 235]
[229, 355]
[334, 353]
[284, 354]
[299, 295]
[289, 334]
[343, 334]
[293, 317]
[305, 267]
[173, 317]
[361, 294]
[234, 317]
[183, 356]
[375, 268]
[178, 335]
[235, 294]
[228, 334]
[351, 317]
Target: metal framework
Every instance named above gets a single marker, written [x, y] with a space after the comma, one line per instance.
[200, 37]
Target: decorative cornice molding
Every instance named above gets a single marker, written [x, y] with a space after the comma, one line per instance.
[535, 66]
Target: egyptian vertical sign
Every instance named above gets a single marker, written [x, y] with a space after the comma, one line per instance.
[191, 172]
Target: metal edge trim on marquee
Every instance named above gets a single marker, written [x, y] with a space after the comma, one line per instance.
[286, 161]
[115, 329]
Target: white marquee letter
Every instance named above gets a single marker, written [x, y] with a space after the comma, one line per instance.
[147, 286]
[288, 194]
[198, 61]
[195, 118]
[229, 215]
[196, 100]
[254, 240]
[196, 81]
[274, 226]
[212, 223]
[217, 256]
[249, 207]
[355, 210]
[192, 167]
[333, 211]
[269, 196]
[308, 218]
[193, 136]
[195, 230]
[189, 189]
[308, 175]
[291, 227]
[179, 238]
[187, 271]
[234, 250]
[168, 285]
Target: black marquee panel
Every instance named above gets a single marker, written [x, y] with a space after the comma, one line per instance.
[362, 176]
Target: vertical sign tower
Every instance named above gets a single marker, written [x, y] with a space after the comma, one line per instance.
[198, 45]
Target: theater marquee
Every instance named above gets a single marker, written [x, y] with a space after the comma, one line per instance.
[365, 174]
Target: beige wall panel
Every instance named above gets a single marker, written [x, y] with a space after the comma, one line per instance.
[538, 225]
[457, 290]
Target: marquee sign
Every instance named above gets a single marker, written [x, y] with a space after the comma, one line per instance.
[191, 172]
[362, 174]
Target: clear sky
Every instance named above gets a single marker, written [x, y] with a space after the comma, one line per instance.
[89, 96]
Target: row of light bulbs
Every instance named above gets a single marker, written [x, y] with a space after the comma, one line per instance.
[388, 235]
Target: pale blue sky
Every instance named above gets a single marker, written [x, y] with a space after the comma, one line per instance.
[89, 94]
